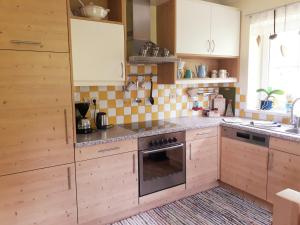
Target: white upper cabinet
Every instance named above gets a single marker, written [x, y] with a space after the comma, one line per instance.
[225, 30]
[193, 27]
[98, 53]
[204, 28]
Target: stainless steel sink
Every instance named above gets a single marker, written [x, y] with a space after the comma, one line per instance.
[293, 131]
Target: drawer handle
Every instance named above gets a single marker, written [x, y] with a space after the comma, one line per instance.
[122, 70]
[66, 126]
[108, 149]
[270, 163]
[69, 178]
[133, 163]
[190, 151]
[20, 42]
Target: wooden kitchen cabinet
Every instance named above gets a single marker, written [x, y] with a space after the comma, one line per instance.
[36, 128]
[98, 53]
[284, 167]
[244, 166]
[201, 162]
[45, 196]
[34, 25]
[106, 187]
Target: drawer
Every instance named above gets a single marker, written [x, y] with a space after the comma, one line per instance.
[97, 151]
[192, 135]
[291, 147]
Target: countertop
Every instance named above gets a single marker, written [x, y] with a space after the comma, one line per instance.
[118, 133]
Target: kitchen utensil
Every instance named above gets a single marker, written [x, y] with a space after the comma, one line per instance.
[137, 99]
[93, 11]
[83, 125]
[155, 51]
[188, 74]
[151, 99]
[223, 74]
[101, 120]
[274, 35]
[201, 71]
[214, 74]
[166, 52]
[180, 67]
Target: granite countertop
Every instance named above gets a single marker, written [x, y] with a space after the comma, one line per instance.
[118, 133]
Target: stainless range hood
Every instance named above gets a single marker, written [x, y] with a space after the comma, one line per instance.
[141, 28]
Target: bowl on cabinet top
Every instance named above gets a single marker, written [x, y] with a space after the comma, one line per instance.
[94, 11]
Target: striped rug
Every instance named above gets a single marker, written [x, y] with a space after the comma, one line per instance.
[218, 206]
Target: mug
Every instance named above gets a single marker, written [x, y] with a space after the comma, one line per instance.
[214, 73]
[201, 71]
[223, 74]
[188, 74]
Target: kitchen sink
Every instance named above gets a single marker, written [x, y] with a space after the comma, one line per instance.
[293, 131]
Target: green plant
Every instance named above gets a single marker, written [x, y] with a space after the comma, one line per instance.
[270, 92]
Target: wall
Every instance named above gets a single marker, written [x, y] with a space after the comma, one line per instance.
[249, 7]
[170, 100]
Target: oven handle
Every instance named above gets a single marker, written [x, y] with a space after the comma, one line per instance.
[163, 149]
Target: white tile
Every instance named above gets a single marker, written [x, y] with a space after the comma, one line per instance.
[127, 110]
[167, 92]
[84, 89]
[154, 79]
[184, 112]
[76, 97]
[178, 106]
[141, 109]
[102, 88]
[111, 95]
[160, 86]
[173, 114]
[94, 95]
[161, 115]
[141, 94]
[134, 118]
[155, 93]
[127, 95]
[120, 103]
[154, 108]
[148, 69]
[133, 69]
[161, 100]
[148, 116]
[120, 119]
[167, 107]
[103, 104]
[112, 112]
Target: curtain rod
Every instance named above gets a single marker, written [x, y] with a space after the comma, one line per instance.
[274, 8]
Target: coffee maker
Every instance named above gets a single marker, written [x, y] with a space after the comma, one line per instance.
[83, 125]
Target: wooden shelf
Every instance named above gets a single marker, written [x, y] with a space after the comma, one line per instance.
[96, 20]
[206, 80]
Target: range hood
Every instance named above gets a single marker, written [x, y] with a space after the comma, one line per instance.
[141, 28]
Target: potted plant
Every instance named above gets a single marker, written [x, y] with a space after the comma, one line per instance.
[267, 103]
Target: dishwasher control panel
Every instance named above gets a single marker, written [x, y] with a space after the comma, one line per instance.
[246, 136]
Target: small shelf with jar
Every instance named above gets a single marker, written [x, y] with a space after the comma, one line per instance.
[107, 11]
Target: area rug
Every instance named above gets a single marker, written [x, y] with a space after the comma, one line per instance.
[217, 206]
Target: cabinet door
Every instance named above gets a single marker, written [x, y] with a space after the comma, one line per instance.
[202, 162]
[283, 173]
[193, 27]
[45, 196]
[225, 31]
[244, 166]
[97, 52]
[34, 25]
[106, 186]
[36, 111]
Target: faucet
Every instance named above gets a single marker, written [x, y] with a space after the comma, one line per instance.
[293, 122]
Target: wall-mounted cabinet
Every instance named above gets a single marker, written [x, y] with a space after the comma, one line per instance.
[201, 31]
[98, 53]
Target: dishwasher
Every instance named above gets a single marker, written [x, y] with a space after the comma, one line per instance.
[244, 160]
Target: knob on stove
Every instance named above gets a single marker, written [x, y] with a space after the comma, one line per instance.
[174, 139]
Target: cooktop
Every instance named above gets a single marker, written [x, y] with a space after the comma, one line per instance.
[148, 125]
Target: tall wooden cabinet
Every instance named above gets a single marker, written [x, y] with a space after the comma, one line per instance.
[34, 25]
[46, 196]
[37, 174]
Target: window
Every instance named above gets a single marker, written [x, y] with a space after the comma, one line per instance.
[274, 63]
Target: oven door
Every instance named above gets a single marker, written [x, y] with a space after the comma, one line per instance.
[161, 168]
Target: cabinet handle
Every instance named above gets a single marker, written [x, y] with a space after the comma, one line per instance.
[270, 162]
[133, 163]
[190, 151]
[122, 70]
[66, 126]
[18, 42]
[209, 45]
[108, 149]
[214, 45]
[69, 178]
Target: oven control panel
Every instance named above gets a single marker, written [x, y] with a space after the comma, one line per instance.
[161, 140]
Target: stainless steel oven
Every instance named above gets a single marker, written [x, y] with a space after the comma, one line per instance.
[161, 162]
